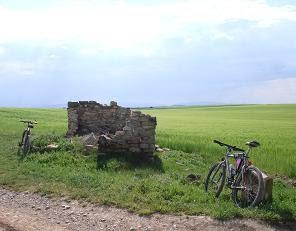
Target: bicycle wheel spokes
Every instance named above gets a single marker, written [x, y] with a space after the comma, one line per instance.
[248, 190]
[252, 186]
[215, 179]
[242, 198]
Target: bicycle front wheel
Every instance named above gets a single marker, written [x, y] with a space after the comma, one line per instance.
[248, 189]
[215, 179]
[25, 144]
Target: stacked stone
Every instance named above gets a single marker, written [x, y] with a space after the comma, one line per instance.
[85, 117]
[119, 130]
[72, 119]
[138, 136]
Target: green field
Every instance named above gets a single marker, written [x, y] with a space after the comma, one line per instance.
[193, 130]
[160, 187]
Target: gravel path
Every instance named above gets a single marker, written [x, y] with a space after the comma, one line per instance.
[27, 211]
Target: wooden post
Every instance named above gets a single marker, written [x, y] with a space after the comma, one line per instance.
[267, 192]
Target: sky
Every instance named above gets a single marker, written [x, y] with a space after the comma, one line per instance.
[147, 53]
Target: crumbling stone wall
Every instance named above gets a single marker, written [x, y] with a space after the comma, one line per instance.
[119, 130]
[85, 117]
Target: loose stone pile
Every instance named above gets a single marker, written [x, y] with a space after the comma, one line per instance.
[118, 129]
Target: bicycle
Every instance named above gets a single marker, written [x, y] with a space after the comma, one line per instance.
[25, 144]
[245, 180]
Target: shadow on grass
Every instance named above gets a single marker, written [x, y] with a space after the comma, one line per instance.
[127, 161]
[285, 214]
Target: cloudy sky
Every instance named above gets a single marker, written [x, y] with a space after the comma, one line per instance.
[148, 52]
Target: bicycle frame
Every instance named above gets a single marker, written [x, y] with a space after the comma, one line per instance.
[28, 128]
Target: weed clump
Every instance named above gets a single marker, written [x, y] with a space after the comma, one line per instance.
[52, 142]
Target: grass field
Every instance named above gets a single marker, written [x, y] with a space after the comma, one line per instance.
[193, 129]
[160, 187]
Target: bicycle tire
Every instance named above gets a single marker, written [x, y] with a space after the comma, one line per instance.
[250, 196]
[219, 184]
[25, 145]
[21, 143]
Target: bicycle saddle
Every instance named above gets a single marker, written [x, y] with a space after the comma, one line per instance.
[253, 144]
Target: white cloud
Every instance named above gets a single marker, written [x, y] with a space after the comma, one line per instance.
[19, 68]
[132, 26]
[52, 56]
[272, 91]
[27, 68]
[88, 51]
[2, 50]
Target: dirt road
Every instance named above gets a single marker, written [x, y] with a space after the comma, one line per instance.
[27, 211]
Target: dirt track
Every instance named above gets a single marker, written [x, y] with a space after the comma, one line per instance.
[26, 211]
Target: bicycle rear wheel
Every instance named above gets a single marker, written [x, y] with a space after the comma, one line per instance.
[250, 189]
[215, 179]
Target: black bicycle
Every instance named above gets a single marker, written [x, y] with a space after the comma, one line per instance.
[245, 180]
[25, 144]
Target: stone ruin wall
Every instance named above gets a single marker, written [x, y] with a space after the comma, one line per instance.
[118, 129]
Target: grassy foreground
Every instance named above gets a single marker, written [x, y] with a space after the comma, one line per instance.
[160, 187]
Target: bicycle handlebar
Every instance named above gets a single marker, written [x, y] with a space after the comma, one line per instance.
[29, 121]
[234, 148]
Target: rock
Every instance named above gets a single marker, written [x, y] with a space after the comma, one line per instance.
[159, 149]
[104, 141]
[144, 145]
[73, 104]
[89, 147]
[52, 146]
[113, 104]
[292, 182]
[89, 139]
[166, 149]
[193, 178]
[127, 128]
[66, 207]
[267, 193]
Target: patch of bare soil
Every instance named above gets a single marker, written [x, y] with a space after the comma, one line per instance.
[289, 181]
[27, 211]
